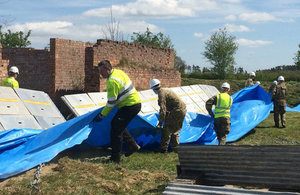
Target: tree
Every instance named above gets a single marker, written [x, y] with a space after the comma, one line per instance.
[14, 39]
[297, 58]
[219, 51]
[112, 30]
[180, 64]
[148, 38]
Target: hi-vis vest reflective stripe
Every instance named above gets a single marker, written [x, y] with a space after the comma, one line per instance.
[120, 92]
[10, 82]
[224, 102]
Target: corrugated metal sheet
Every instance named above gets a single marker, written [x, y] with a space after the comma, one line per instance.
[275, 167]
[187, 189]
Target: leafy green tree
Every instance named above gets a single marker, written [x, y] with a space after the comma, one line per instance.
[297, 58]
[148, 38]
[11, 39]
[180, 64]
[219, 51]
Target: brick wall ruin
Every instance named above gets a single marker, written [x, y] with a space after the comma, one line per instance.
[3, 66]
[71, 66]
[33, 67]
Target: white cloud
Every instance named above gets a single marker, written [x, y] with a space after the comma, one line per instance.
[199, 35]
[43, 31]
[236, 28]
[155, 9]
[230, 17]
[233, 1]
[253, 43]
[257, 17]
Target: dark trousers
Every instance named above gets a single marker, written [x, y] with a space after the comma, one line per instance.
[118, 128]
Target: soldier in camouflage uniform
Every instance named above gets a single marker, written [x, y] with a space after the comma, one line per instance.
[279, 97]
[223, 102]
[172, 113]
[249, 81]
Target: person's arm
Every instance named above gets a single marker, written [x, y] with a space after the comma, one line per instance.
[162, 108]
[209, 103]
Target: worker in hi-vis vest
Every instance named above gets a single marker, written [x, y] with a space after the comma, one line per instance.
[11, 81]
[120, 93]
[222, 102]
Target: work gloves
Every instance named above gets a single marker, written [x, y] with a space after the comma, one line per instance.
[98, 118]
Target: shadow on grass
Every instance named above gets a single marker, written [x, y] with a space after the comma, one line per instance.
[159, 189]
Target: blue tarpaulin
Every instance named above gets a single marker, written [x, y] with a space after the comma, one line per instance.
[23, 149]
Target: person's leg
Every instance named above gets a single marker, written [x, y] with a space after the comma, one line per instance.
[175, 140]
[276, 115]
[282, 116]
[165, 139]
[118, 127]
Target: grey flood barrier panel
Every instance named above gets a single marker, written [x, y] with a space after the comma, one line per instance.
[10, 103]
[274, 167]
[38, 103]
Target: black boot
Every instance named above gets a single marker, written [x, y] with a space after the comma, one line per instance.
[132, 148]
[115, 157]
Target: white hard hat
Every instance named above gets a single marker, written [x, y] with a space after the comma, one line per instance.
[225, 85]
[13, 69]
[154, 83]
[258, 82]
[252, 74]
[280, 78]
[274, 82]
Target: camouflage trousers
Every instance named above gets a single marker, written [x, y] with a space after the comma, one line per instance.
[279, 110]
[171, 129]
[222, 128]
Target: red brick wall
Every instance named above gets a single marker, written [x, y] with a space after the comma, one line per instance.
[150, 63]
[67, 64]
[141, 77]
[3, 66]
[33, 67]
[141, 54]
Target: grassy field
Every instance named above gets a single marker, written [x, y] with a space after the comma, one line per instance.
[84, 171]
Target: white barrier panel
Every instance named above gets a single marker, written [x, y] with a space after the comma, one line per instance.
[79, 104]
[193, 96]
[152, 98]
[214, 91]
[147, 107]
[19, 121]
[48, 122]
[200, 92]
[38, 103]
[10, 103]
[184, 97]
[99, 98]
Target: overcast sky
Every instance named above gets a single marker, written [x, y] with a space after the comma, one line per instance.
[267, 31]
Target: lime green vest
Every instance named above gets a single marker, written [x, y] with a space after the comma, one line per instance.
[10, 82]
[224, 102]
[120, 91]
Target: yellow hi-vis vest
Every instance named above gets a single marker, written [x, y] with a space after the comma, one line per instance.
[224, 102]
[10, 82]
[120, 91]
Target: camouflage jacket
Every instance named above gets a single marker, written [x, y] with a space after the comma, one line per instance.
[279, 93]
[169, 102]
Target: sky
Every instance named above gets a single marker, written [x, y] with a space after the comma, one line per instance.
[267, 31]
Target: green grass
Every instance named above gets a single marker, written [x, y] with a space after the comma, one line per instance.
[266, 134]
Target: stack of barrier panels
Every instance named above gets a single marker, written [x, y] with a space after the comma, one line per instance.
[24, 108]
[193, 96]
